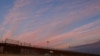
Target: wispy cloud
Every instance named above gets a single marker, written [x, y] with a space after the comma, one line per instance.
[37, 21]
[14, 18]
[81, 34]
[74, 16]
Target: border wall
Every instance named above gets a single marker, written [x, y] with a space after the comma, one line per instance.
[16, 47]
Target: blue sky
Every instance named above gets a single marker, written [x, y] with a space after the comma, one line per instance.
[62, 22]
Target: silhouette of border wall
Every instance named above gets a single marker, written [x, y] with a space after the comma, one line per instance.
[17, 47]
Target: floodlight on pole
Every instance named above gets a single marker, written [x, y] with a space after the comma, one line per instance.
[47, 44]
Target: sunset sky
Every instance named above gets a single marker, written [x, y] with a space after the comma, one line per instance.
[63, 23]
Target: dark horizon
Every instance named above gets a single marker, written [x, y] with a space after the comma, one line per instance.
[16, 49]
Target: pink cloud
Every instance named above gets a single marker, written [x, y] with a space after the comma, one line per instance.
[61, 46]
[81, 39]
[36, 33]
[74, 16]
[77, 32]
[21, 3]
[78, 35]
[14, 18]
[17, 15]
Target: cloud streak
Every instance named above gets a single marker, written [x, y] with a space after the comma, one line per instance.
[37, 21]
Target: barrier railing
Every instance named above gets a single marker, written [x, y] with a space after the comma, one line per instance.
[17, 42]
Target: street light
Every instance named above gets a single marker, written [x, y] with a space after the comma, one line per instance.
[50, 51]
[47, 44]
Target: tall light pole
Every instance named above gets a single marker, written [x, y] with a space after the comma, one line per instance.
[50, 51]
[47, 44]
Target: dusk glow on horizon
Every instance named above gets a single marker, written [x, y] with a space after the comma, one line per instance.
[63, 23]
